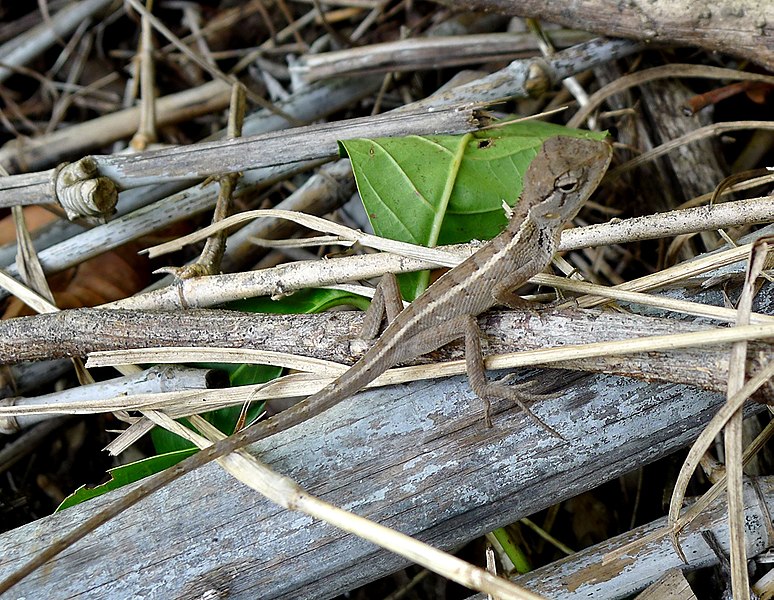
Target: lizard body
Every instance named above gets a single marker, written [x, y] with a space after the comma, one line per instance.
[557, 183]
[560, 178]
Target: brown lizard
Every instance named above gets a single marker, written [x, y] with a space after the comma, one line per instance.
[557, 183]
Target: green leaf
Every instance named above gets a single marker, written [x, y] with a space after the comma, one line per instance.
[126, 474]
[432, 190]
[513, 550]
[224, 419]
[405, 184]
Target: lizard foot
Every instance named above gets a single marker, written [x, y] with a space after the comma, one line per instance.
[496, 390]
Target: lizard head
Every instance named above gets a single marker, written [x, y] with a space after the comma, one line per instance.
[561, 177]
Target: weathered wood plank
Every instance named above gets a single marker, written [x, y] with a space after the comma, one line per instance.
[593, 573]
[414, 457]
[327, 336]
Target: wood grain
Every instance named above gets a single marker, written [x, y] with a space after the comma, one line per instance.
[415, 457]
[327, 336]
[740, 28]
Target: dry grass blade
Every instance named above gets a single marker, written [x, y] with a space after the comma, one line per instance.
[677, 521]
[664, 302]
[705, 440]
[225, 355]
[346, 236]
[24, 293]
[733, 439]
[717, 488]
[695, 135]
[677, 273]
[739, 181]
[27, 259]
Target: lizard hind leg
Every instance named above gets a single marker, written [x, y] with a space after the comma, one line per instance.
[484, 389]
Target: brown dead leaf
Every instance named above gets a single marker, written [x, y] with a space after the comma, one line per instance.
[108, 277]
[34, 216]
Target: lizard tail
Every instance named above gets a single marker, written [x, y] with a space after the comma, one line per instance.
[368, 368]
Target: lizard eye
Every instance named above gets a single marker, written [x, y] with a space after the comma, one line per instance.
[567, 184]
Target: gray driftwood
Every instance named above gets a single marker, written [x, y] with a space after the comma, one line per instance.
[518, 80]
[591, 573]
[429, 52]
[327, 336]
[166, 203]
[283, 149]
[742, 27]
[416, 457]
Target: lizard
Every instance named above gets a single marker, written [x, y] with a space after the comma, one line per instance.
[558, 181]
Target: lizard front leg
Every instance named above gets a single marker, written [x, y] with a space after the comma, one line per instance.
[503, 293]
